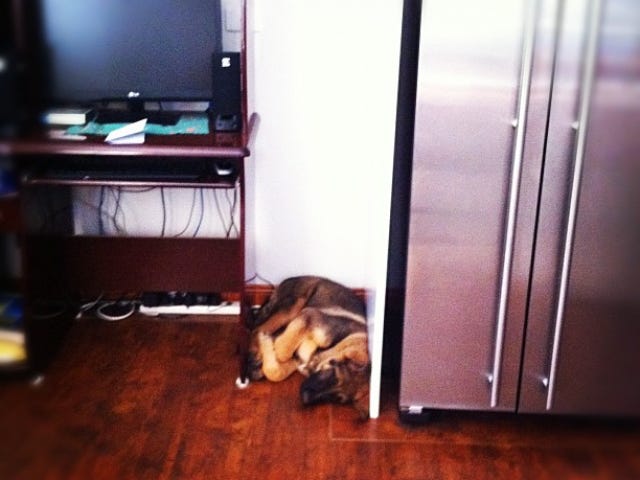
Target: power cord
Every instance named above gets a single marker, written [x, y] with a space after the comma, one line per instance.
[85, 307]
[257, 276]
[116, 310]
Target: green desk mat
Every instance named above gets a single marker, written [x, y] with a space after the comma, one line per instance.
[188, 124]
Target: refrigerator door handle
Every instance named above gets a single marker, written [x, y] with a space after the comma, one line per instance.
[588, 77]
[519, 124]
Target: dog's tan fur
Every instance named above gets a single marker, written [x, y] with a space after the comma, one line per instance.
[318, 327]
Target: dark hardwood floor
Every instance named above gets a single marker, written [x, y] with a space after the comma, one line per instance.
[155, 399]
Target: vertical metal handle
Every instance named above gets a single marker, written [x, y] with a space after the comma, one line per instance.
[588, 76]
[529, 34]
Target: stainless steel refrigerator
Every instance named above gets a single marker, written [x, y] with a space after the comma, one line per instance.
[523, 262]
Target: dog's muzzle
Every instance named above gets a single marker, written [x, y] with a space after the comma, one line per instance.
[320, 387]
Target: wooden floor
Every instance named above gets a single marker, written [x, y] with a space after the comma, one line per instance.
[155, 399]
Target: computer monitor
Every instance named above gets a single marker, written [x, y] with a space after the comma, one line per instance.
[134, 51]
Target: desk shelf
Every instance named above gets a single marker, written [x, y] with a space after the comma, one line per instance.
[59, 265]
[212, 145]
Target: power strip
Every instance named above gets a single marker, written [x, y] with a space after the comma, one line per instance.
[226, 308]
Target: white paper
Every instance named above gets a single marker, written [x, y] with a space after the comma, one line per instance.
[129, 134]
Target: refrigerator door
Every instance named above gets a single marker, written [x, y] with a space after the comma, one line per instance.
[582, 348]
[483, 81]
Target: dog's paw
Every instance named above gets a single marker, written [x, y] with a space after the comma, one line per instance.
[320, 362]
[302, 368]
[264, 340]
[311, 365]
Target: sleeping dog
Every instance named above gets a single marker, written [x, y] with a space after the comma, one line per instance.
[318, 327]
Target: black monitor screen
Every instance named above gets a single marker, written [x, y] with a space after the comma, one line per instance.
[113, 49]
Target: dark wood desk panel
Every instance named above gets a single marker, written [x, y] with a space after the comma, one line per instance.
[92, 265]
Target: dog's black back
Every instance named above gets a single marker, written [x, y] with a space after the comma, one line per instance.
[315, 291]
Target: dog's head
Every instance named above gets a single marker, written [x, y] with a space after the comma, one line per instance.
[344, 381]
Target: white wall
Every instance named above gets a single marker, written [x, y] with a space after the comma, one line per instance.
[324, 81]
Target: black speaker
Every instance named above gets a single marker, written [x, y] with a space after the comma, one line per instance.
[227, 91]
[8, 94]
[8, 70]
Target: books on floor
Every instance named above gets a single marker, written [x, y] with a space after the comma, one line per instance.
[12, 347]
[12, 337]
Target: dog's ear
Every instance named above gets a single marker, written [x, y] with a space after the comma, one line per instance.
[361, 403]
[358, 367]
[360, 375]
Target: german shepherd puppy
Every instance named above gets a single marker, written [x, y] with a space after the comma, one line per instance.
[318, 327]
